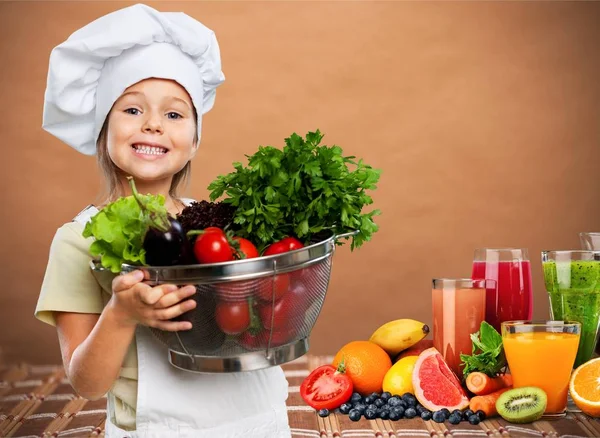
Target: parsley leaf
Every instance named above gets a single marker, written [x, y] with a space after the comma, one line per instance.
[487, 353]
[299, 190]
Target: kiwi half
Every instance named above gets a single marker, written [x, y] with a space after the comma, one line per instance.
[522, 405]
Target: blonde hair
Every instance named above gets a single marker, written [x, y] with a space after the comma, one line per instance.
[111, 172]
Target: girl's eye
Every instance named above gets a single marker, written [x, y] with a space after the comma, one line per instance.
[173, 115]
[133, 111]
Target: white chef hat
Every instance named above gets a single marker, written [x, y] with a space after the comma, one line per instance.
[91, 69]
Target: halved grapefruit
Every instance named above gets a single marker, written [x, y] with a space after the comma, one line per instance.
[436, 386]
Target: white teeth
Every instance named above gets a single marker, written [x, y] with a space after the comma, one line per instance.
[149, 150]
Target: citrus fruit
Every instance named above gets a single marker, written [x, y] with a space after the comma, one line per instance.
[416, 349]
[436, 386]
[585, 387]
[366, 363]
[398, 380]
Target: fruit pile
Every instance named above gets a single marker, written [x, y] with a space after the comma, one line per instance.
[362, 382]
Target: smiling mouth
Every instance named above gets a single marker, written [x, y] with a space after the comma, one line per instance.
[149, 150]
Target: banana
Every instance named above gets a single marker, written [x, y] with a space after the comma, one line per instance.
[398, 335]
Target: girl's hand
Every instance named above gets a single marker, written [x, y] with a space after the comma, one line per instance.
[138, 303]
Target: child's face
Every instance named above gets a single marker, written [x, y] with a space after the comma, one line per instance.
[151, 130]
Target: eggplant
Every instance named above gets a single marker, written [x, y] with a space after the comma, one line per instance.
[165, 241]
[167, 248]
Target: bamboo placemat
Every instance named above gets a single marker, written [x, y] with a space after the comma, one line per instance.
[37, 401]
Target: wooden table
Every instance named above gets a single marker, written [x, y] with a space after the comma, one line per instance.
[37, 401]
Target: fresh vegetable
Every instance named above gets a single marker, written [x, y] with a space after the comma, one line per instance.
[204, 214]
[212, 246]
[487, 403]
[284, 314]
[247, 248]
[120, 229]
[487, 355]
[284, 245]
[301, 190]
[482, 384]
[233, 317]
[274, 288]
[326, 387]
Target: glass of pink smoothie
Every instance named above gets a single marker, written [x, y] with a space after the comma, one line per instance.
[458, 309]
[512, 299]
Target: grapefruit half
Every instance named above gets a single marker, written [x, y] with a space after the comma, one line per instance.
[436, 386]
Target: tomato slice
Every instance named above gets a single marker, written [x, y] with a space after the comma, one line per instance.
[326, 388]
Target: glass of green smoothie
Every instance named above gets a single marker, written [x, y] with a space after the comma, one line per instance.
[572, 280]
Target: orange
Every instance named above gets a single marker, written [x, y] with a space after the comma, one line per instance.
[585, 387]
[366, 364]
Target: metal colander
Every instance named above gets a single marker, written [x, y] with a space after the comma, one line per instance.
[284, 294]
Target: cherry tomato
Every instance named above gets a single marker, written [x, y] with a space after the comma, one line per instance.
[277, 286]
[212, 247]
[284, 245]
[232, 317]
[253, 341]
[326, 388]
[247, 247]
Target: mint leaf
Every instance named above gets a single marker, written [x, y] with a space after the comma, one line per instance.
[490, 338]
[487, 352]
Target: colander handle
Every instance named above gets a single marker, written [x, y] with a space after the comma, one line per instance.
[345, 235]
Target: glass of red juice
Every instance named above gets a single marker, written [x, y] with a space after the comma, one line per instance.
[512, 299]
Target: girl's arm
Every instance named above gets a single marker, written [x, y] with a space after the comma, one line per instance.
[94, 346]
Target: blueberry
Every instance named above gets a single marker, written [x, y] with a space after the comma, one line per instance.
[384, 414]
[410, 413]
[395, 415]
[354, 415]
[457, 412]
[467, 414]
[426, 415]
[409, 399]
[446, 412]
[379, 402]
[403, 404]
[399, 410]
[455, 418]
[394, 401]
[369, 400]
[480, 414]
[385, 396]
[345, 408]
[372, 406]
[385, 408]
[419, 408]
[375, 395]
[439, 416]
[360, 408]
[474, 419]
[323, 412]
[370, 414]
[356, 397]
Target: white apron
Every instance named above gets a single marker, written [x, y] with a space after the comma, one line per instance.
[180, 404]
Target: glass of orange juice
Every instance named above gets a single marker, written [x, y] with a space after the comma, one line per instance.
[542, 354]
[458, 309]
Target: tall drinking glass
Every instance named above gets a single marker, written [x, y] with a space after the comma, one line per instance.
[458, 309]
[590, 241]
[572, 280]
[541, 354]
[512, 299]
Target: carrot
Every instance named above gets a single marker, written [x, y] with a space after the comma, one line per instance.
[482, 384]
[487, 403]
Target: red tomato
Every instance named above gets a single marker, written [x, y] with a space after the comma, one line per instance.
[233, 317]
[277, 286]
[260, 340]
[284, 245]
[247, 247]
[212, 247]
[326, 388]
[284, 314]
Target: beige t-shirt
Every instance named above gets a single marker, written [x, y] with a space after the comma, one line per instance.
[70, 285]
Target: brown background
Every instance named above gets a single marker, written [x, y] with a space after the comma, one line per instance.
[483, 117]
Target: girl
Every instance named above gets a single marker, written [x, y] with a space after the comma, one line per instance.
[132, 87]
